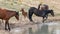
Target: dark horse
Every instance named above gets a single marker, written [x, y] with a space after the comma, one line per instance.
[39, 13]
[6, 15]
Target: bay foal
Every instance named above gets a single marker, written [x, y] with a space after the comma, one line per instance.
[23, 12]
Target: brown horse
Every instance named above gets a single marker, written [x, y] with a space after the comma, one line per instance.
[43, 7]
[23, 13]
[6, 15]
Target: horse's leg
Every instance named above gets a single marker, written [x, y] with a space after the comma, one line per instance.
[7, 24]
[45, 18]
[30, 16]
[8, 27]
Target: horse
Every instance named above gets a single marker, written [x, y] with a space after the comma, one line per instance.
[37, 12]
[43, 7]
[6, 15]
[23, 12]
[39, 6]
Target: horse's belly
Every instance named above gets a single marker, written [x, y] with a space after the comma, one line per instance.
[38, 14]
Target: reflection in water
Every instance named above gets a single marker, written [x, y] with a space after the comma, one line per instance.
[43, 30]
[48, 28]
[30, 31]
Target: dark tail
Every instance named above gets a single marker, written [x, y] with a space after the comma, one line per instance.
[30, 15]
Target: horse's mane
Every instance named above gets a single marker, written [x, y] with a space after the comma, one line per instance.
[17, 13]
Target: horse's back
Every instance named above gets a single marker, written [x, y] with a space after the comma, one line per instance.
[32, 8]
[2, 12]
[36, 11]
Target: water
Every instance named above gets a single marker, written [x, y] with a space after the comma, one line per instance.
[48, 28]
[42, 28]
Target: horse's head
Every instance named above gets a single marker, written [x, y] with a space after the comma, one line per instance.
[17, 15]
[52, 13]
[39, 6]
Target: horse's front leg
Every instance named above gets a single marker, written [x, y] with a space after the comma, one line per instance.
[8, 27]
[7, 24]
[45, 18]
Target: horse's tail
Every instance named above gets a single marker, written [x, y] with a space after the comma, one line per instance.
[30, 13]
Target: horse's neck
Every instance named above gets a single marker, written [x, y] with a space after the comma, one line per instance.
[48, 12]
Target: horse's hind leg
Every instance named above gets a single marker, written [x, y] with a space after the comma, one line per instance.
[30, 16]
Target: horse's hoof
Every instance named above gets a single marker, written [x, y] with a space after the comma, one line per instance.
[9, 29]
[6, 29]
[43, 22]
